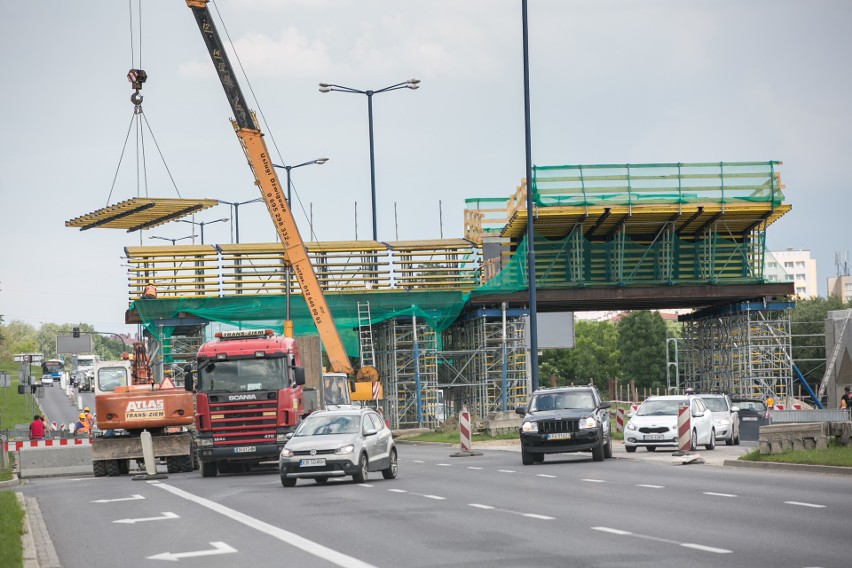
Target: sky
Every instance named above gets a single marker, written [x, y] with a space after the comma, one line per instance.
[611, 81]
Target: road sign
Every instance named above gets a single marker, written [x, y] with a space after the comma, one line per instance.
[29, 358]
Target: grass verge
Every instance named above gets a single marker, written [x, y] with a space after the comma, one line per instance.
[453, 437]
[836, 455]
[11, 528]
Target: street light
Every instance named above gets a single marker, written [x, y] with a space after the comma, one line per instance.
[318, 161]
[174, 241]
[236, 206]
[202, 223]
[412, 84]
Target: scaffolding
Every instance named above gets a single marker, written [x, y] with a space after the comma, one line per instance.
[476, 356]
[740, 349]
[407, 360]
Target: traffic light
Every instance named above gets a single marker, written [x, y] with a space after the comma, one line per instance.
[76, 332]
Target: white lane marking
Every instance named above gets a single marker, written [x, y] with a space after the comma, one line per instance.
[800, 504]
[506, 471]
[473, 467]
[545, 475]
[719, 494]
[542, 517]
[594, 480]
[651, 486]
[611, 530]
[309, 546]
[435, 497]
[131, 498]
[218, 548]
[478, 506]
[444, 464]
[166, 515]
[397, 490]
[366, 485]
[664, 540]
[706, 548]
[418, 461]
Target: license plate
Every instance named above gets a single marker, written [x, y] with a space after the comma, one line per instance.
[315, 462]
[559, 436]
[653, 436]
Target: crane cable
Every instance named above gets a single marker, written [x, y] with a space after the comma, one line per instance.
[137, 77]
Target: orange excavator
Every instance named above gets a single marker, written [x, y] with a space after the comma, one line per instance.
[128, 402]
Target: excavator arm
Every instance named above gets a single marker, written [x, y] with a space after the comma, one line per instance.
[251, 139]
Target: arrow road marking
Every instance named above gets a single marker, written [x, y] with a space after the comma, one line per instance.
[164, 517]
[131, 498]
[218, 548]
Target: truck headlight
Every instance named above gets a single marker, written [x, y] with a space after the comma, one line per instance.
[286, 453]
[281, 438]
[529, 427]
[202, 442]
[588, 422]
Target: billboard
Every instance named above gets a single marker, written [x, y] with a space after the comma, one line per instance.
[555, 330]
[71, 344]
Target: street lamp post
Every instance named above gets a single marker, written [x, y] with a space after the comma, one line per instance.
[202, 223]
[329, 87]
[173, 241]
[236, 206]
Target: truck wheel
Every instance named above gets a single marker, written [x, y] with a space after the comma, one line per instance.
[185, 464]
[172, 465]
[112, 468]
[288, 481]
[99, 468]
[362, 473]
[209, 469]
[124, 466]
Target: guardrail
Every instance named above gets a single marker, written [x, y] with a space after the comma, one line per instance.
[799, 416]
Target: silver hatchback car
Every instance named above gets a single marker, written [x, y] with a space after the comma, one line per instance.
[339, 443]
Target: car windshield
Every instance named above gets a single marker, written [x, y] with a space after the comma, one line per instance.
[322, 425]
[751, 405]
[716, 404]
[241, 375]
[562, 401]
[659, 407]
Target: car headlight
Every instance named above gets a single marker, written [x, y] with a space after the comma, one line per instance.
[588, 422]
[286, 453]
[631, 426]
[529, 427]
[723, 422]
[348, 449]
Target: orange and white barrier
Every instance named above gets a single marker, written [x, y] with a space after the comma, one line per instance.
[619, 420]
[12, 446]
[464, 429]
[684, 429]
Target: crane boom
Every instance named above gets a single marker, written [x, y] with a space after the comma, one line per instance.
[251, 139]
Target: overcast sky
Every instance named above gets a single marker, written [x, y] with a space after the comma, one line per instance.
[611, 82]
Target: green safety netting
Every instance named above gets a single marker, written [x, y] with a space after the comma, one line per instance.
[438, 308]
[575, 262]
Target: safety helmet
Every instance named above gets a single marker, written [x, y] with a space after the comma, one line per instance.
[86, 409]
[82, 416]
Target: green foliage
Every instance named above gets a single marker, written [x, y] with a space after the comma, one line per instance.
[593, 358]
[642, 348]
[20, 337]
[807, 323]
[836, 455]
[11, 529]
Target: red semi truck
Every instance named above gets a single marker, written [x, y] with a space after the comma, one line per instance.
[250, 392]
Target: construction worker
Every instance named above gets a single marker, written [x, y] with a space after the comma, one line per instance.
[82, 426]
[149, 292]
[89, 418]
[846, 399]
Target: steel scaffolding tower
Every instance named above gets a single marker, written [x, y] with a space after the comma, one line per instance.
[410, 382]
[741, 349]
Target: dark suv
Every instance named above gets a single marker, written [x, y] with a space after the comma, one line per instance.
[565, 419]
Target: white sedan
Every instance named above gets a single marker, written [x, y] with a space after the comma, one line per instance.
[655, 424]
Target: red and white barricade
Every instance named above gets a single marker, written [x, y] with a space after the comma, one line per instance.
[684, 429]
[464, 429]
[619, 420]
[13, 446]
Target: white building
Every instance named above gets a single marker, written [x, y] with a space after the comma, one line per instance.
[795, 266]
[841, 287]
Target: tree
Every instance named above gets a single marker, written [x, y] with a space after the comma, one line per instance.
[594, 356]
[807, 323]
[642, 348]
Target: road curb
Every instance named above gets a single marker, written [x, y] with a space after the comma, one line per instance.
[795, 467]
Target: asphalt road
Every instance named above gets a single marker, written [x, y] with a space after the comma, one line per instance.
[60, 408]
[480, 511]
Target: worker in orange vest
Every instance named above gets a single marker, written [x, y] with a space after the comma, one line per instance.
[82, 426]
[150, 291]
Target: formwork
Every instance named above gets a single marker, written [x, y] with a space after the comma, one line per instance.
[477, 354]
[742, 349]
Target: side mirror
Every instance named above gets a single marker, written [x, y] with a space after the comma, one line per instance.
[351, 386]
[605, 404]
[299, 375]
[370, 431]
[522, 410]
[735, 409]
[188, 380]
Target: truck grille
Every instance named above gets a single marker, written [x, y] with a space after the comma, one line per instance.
[557, 426]
[243, 422]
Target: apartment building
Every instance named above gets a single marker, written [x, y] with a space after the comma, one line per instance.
[795, 266]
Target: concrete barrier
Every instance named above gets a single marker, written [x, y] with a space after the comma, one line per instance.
[778, 438]
[55, 461]
[501, 423]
